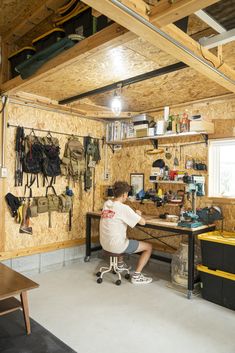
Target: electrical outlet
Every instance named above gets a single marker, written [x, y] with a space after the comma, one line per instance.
[3, 172]
[106, 175]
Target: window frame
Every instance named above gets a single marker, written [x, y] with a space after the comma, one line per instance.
[213, 167]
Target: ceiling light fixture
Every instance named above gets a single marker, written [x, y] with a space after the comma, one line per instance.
[116, 104]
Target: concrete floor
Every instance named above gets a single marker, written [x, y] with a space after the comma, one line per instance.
[104, 318]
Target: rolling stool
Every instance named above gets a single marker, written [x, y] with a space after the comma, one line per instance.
[113, 267]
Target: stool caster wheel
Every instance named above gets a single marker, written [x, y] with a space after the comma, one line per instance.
[99, 280]
[127, 276]
[98, 274]
[118, 282]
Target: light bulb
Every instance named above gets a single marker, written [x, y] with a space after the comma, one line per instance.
[116, 105]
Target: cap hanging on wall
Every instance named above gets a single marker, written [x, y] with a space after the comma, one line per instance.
[159, 163]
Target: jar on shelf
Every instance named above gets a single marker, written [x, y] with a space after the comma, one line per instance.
[184, 124]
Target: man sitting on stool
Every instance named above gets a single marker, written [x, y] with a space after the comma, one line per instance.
[115, 218]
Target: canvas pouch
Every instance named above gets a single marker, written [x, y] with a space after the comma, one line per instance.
[42, 204]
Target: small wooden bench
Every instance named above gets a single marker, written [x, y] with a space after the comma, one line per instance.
[13, 283]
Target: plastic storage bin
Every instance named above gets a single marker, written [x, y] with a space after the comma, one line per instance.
[79, 22]
[48, 38]
[100, 23]
[20, 56]
[218, 250]
[218, 287]
[67, 8]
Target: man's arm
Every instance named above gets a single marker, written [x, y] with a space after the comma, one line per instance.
[142, 221]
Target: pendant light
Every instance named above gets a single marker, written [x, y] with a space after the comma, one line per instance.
[116, 104]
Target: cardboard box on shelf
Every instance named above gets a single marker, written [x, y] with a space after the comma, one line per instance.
[142, 132]
[202, 126]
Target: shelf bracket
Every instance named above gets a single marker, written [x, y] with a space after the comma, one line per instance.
[205, 138]
[111, 147]
[154, 143]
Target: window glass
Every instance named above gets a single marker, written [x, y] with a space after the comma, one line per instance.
[222, 168]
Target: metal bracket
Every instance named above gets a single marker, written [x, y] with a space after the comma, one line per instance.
[111, 147]
[154, 143]
[205, 138]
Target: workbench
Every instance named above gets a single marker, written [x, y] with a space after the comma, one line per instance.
[158, 224]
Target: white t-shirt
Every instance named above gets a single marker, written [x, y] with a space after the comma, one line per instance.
[115, 218]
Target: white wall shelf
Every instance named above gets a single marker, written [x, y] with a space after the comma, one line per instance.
[159, 137]
[168, 182]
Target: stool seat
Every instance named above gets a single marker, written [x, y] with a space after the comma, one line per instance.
[108, 253]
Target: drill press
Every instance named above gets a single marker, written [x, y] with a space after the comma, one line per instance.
[195, 187]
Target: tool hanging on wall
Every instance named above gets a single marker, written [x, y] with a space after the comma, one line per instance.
[168, 155]
[92, 157]
[25, 222]
[19, 149]
[13, 203]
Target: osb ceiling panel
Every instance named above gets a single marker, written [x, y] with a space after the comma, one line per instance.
[195, 25]
[229, 54]
[126, 61]
[14, 12]
[170, 89]
[151, 52]
[98, 70]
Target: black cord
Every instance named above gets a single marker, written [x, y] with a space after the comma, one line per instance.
[205, 57]
[4, 105]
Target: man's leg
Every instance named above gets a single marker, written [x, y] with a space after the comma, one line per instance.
[146, 249]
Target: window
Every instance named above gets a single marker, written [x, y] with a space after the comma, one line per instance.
[222, 168]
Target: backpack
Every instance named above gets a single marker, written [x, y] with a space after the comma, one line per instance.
[51, 160]
[73, 161]
[41, 156]
[32, 161]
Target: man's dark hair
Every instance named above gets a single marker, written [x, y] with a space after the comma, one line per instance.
[120, 187]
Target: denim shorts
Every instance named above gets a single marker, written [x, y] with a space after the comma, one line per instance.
[132, 247]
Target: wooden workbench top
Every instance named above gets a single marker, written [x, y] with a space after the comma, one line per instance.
[154, 220]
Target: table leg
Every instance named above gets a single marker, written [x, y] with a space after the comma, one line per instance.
[25, 306]
[191, 242]
[88, 238]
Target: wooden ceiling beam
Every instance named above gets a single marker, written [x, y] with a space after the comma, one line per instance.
[166, 12]
[110, 37]
[106, 115]
[172, 41]
[46, 9]
[139, 6]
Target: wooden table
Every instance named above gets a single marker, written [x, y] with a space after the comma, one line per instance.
[11, 284]
[159, 224]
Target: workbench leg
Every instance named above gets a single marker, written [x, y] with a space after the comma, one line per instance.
[25, 306]
[191, 242]
[88, 238]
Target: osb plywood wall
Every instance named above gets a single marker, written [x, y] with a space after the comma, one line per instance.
[37, 118]
[133, 159]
